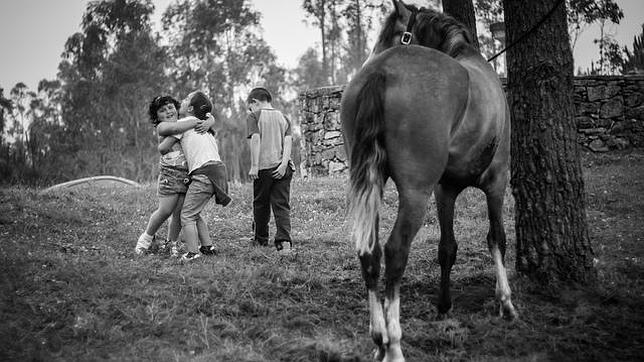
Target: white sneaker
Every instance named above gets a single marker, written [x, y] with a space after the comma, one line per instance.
[143, 244]
[190, 256]
[174, 251]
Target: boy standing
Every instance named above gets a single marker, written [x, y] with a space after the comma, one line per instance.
[207, 172]
[271, 168]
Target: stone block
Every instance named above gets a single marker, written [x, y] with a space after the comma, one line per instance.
[593, 131]
[613, 108]
[634, 100]
[617, 143]
[620, 127]
[332, 121]
[332, 134]
[598, 146]
[635, 113]
[584, 122]
[340, 153]
[586, 108]
[336, 167]
[328, 154]
[602, 92]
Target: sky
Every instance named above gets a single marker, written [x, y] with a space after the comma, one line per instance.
[34, 32]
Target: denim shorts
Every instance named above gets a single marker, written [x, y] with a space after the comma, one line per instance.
[200, 192]
[172, 182]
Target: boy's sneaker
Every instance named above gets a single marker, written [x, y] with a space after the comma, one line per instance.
[284, 247]
[143, 244]
[190, 256]
[208, 250]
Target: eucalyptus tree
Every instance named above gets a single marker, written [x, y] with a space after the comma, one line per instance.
[110, 71]
[216, 46]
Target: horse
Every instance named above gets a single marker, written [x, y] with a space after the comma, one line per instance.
[427, 111]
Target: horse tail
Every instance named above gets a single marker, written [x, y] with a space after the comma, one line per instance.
[368, 163]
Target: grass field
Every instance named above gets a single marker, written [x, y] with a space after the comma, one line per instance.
[71, 288]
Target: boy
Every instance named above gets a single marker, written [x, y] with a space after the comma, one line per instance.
[207, 172]
[271, 168]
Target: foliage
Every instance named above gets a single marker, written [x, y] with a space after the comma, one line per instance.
[633, 62]
[581, 14]
[216, 46]
[341, 55]
[71, 288]
[110, 71]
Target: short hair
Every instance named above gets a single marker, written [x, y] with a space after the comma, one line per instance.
[261, 94]
[200, 105]
[157, 103]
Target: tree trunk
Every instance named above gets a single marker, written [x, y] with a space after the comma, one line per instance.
[551, 230]
[463, 11]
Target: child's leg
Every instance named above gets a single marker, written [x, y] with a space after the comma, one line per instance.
[199, 193]
[261, 205]
[202, 230]
[158, 217]
[174, 226]
[280, 203]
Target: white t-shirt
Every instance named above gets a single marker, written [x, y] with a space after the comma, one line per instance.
[198, 148]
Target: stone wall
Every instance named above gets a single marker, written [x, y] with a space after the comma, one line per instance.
[609, 112]
[322, 146]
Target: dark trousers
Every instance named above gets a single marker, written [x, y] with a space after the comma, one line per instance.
[270, 193]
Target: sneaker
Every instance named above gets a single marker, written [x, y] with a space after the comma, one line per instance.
[164, 246]
[174, 250]
[284, 247]
[208, 250]
[143, 245]
[190, 256]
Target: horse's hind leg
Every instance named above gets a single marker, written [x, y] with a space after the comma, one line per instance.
[496, 244]
[411, 211]
[370, 263]
[445, 199]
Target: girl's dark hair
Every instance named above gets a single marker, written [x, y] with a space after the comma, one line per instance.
[261, 94]
[159, 102]
[200, 105]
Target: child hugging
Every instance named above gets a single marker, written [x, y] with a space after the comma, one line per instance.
[206, 170]
[173, 179]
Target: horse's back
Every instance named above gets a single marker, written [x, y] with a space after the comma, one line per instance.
[424, 99]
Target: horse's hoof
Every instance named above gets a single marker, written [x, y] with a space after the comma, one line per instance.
[508, 312]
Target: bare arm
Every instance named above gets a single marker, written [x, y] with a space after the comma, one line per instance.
[166, 144]
[254, 156]
[170, 128]
[206, 125]
[286, 157]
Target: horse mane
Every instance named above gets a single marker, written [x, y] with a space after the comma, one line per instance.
[433, 29]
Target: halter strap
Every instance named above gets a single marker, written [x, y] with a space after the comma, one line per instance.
[405, 39]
